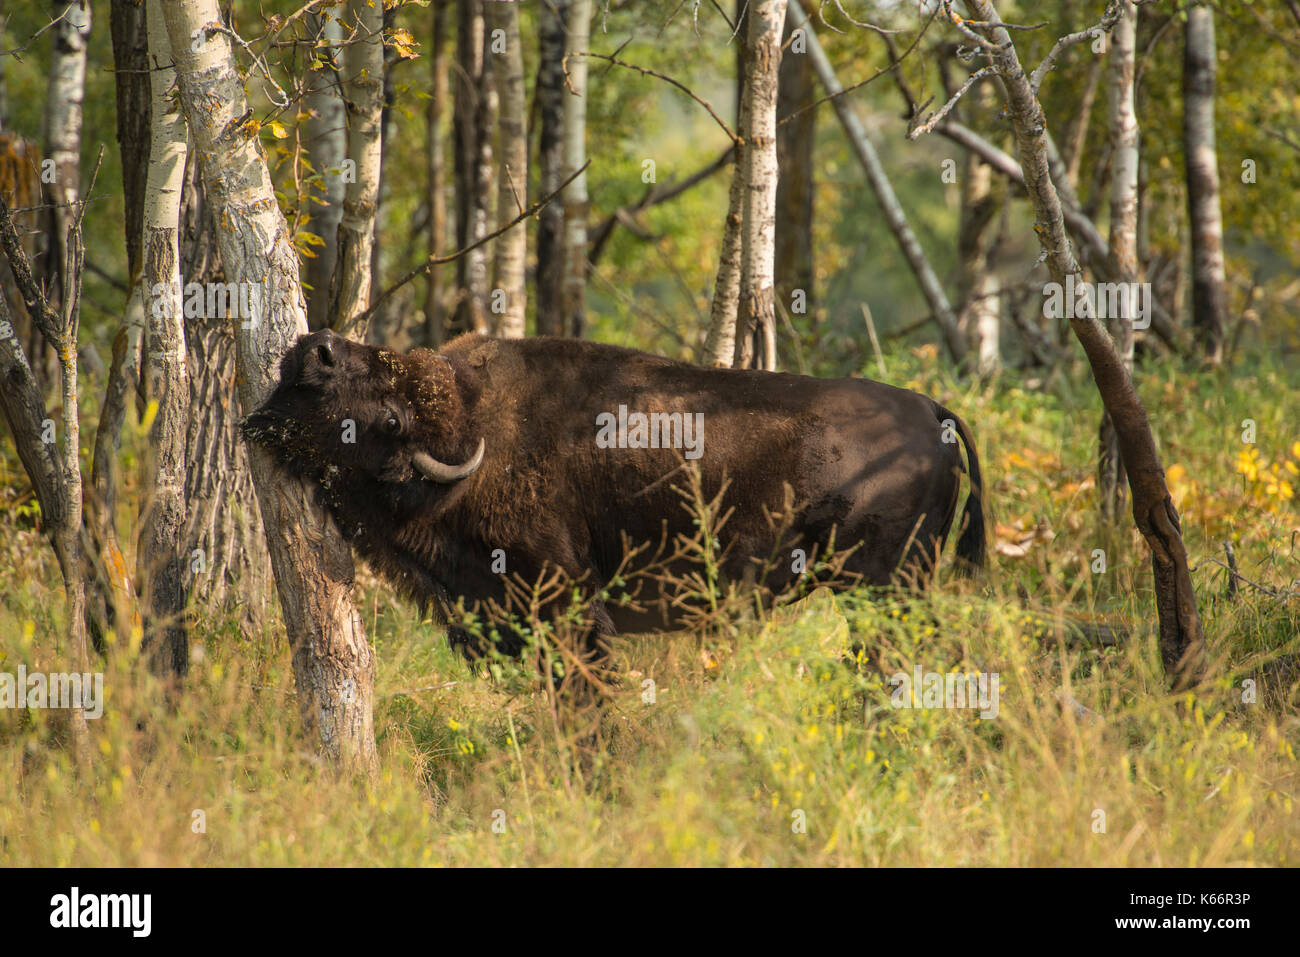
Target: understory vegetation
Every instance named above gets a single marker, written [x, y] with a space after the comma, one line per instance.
[773, 739]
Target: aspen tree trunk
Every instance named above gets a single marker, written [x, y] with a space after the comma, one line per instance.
[979, 319]
[575, 155]
[327, 128]
[756, 321]
[512, 172]
[551, 96]
[63, 113]
[161, 561]
[228, 571]
[980, 316]
[64, 97]
[474, 119]
[333, 664]
[1122, 117]
[435, 302]
[363, 98]
[133, 93]
[895, 218]
[1182, 643]
[389, 317]
[720, 343]
[1209, 309]
[795, 141]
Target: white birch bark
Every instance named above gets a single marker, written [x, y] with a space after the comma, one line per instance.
[1123, 259]
[327, 128]
[473, 120]
[363, 97]
[510, 248]
[333, 664]
[574, 294]
[756, 323]
[65, 96]
[1199, 67]
[161, 561]
[720, 344]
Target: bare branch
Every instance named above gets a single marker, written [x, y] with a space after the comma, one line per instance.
[915, 128]
[892, 68]
[1114, 10]
[857, 23]
[38, 307]
[432, 261]
[653, 197]
[661, 76]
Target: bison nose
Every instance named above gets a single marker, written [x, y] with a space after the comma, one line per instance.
[324, 350]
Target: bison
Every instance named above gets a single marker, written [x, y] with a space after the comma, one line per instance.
[454, 472]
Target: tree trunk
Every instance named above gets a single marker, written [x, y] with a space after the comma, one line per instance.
[327, 149]
[550, 163]
[895, 218]
[435, 303]
[389, 319]
[795, 141]
[131, 82]
[512, 172]
[363, 98]
[228, 570]
[474, 119]
[1182, 643]
[1122, 117]
[720, 343]
[63, 120]
[1209, 308]
[57, 482]
[111, 595]
[980, 317]
[756, 322]
[574, 199]
[160, 562]
[333, 664]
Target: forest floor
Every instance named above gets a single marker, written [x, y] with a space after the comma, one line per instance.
[763, 743]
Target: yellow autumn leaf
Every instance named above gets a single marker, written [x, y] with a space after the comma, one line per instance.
[277, 130]
[150, 413]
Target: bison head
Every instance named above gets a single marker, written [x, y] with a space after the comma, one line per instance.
[347, 416]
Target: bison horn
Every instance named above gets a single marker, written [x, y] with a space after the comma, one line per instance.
[441, 472]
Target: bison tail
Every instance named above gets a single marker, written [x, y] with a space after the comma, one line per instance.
[971, 544]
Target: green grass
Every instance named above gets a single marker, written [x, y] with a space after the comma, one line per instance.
[759, 727]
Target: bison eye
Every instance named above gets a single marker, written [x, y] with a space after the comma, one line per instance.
[390, 425]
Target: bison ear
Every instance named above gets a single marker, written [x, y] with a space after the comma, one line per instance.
[467, 380]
